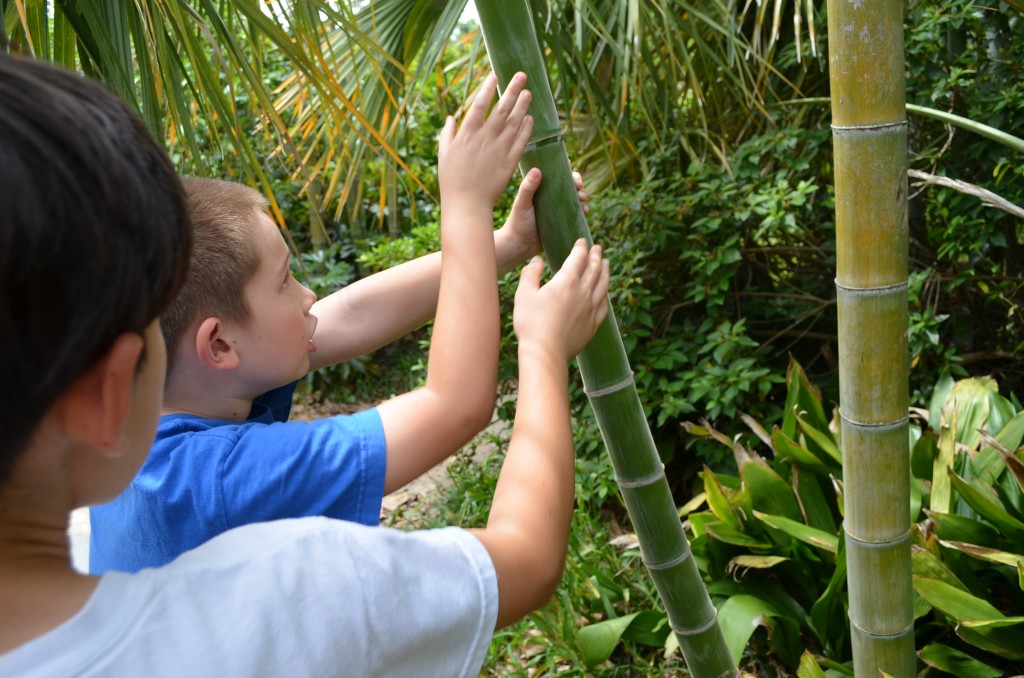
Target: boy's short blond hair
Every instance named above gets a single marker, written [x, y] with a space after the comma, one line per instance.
[223, 258]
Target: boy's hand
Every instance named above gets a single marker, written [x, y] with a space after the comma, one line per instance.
[520, 229]
[563, 315]
[476, 160]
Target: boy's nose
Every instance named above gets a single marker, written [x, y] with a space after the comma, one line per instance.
[310, 298]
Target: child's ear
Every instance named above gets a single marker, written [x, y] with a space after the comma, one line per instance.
[215, 346]
[95, 407]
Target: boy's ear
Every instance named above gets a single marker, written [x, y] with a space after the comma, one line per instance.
[215, 346]
[95, 407]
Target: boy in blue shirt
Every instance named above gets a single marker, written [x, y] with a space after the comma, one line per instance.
[243, 330]
[96, 238]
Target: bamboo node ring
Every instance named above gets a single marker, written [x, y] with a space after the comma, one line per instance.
[699, 629]
[649, 479]
[877, 425]
[597, 393]
[905, 537]
[543, 139]
[881, 126]
[880, 289]
[681, 558]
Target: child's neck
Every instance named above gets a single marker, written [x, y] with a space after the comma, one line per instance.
[209, 407]
[185, 395]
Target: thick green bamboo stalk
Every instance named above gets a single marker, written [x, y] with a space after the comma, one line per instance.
[607, 377]
[869, 133]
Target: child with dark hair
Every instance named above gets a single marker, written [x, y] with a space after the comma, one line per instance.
[95, 240]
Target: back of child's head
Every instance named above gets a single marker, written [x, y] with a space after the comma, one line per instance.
[94, 238]
[223, 257]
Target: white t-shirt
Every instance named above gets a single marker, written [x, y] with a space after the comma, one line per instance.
[308, 597]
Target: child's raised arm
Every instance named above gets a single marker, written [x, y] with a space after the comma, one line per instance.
[475, 163]
[381, 308]
[528, 526]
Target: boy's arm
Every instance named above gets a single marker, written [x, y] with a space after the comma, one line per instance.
[475, 163]
[528, 526]
[381, 308]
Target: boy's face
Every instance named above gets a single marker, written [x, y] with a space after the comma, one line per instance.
[274, 344]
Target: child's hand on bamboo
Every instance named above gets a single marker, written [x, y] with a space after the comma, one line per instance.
[519, 234]
[560, 317]
[476, 159]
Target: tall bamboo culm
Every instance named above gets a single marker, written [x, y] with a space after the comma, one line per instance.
[607, 378]
[869, 136]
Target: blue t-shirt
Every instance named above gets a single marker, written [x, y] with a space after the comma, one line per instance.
[204, 477]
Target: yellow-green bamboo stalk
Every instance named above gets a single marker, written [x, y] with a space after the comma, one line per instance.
[869, 134]
[608, 380]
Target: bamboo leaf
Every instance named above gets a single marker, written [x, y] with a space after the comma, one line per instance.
[955, 662]
[798, 530]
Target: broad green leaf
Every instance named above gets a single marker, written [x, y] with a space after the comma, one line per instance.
[750, 562]
[955, 602]
[929, 566]
[809, 667]
[788, 450]
[923, 453]
[726, 532]
[938, 401]
[1000, 636]
[983, 499]
[718, 500]
[740, 616]
[969, 401]
[598, 641]
[955, 662]
[802, 399]
[692, 505]
[768, 491]
[941, 499]
[823, 438]
[828, 612]
[761, 588]
[982, 553]
[798, 530]
[818, 511]
[952, 527]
